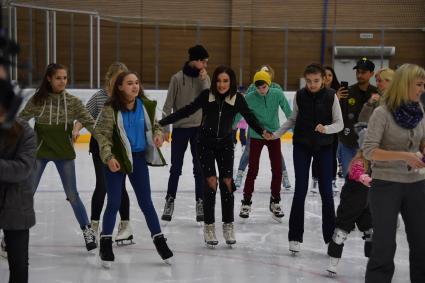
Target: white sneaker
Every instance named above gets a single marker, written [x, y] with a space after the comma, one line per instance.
[3, 250]
[209, 235]
[294, 247]
[125, 233]
[333, 264]
[229, 233]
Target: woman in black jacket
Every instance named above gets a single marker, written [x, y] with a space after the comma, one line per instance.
[219, 106]
[17, 159]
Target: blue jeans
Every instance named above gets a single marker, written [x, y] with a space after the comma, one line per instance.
[139, 179]
[347, 154]
[302, 159]
[66, 169]
[243, 163]
[180, 138]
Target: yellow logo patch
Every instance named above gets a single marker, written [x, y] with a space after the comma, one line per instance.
[351, 101]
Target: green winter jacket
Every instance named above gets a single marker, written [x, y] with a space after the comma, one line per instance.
[266, 109]
[54, 120]
[113, 142]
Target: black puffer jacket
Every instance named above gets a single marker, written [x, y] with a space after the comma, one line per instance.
[17, 162]
[218, 114]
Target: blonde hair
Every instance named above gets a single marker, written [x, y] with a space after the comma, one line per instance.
[401, 85]
[269, 70]
[359, 155]
[113, 70]
[385, 74]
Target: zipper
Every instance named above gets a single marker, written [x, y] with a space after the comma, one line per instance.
[39, 146]
[220, 108]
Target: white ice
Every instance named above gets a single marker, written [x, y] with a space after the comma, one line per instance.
[57, 251]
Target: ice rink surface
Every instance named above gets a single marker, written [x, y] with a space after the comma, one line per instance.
[57, 251]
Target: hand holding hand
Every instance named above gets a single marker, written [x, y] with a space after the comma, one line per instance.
[321, 129]
[267, 135]
[114, 165]
[158, 140]
[166, 137]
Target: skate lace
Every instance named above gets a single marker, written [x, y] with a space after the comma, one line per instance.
[276, 207]
[88, 235]
[228, 231]
[168, 207]
[245, 208]
[211, 233]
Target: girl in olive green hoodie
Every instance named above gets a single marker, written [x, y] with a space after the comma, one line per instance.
[55, 111]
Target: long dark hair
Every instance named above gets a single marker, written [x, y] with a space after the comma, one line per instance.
[335, 83]
[45, 86]
[117, 100]
[232, 76]
[6, 103]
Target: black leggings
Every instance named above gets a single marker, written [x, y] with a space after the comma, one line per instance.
[17, 254]
[315, 167]
[99, 193]
[221, 152]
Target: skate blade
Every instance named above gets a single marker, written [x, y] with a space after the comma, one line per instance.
[211, 245]
[277, 219]
[106, 264]
[331, 273]
[294, 253]
[122, 243]
[167, 261]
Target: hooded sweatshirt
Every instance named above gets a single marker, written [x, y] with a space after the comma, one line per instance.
[54, 120]
[184, 87]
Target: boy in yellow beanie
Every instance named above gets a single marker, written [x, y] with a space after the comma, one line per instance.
[264, 102]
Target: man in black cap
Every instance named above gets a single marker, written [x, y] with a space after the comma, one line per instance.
[184, 87]
[352, 101]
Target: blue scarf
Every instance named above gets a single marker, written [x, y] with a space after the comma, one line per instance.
[408, 115]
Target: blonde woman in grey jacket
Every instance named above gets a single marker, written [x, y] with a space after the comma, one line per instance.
[395, 134]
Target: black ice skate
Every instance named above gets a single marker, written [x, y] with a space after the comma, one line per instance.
[168, 209]
[161, 246]
[245, 208]
[89, 238]
[105, 251]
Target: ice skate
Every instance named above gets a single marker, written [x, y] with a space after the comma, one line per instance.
[238, 180]
[209, 235]
[105, 251]
[162, 248]
[340, 174]
[285, 180]
[229, 234]
[245, 208]
[89, 238]
[276, 211]
[332, 268]
[294, 247]
[168, 209]
[94, 224]
[314, 184]
[199, 210]
[125, 234]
